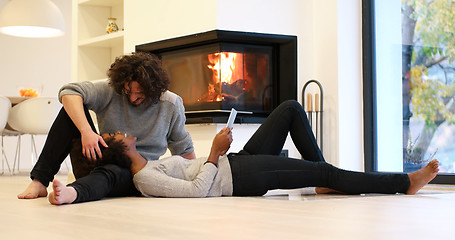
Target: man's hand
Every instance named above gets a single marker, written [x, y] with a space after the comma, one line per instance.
[90, 146]
[73, 105]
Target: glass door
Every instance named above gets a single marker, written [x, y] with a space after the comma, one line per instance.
[410, 53]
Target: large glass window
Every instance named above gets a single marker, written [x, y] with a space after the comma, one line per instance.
[409, 75]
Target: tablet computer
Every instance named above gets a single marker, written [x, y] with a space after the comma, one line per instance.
[231, 119]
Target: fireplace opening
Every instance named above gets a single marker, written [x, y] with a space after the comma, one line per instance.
[221, 77]
[219, 70]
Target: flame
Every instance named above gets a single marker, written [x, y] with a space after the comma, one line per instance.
[223, 66]
[227, 68]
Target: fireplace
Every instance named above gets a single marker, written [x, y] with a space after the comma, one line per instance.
[218, 70]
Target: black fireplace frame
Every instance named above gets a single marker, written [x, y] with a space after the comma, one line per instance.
[284, 54]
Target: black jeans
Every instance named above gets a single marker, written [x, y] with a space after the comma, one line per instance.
[57, 147]
[259, 168]
[108, 180]
[105, 181]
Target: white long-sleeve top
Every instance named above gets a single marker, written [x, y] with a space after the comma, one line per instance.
[176, 176]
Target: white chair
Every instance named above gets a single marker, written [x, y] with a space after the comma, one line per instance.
[5, 106]
[33, 116]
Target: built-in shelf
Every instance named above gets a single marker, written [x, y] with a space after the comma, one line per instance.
[106, 3]
[108, 40]
[94, 49]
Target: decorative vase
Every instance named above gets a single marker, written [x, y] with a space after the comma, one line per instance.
[111, 25]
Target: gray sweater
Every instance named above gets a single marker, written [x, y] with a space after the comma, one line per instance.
[157, 127]
[179, 177]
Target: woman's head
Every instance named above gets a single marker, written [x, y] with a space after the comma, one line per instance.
[113, 154]
[127, 141]
[139, 76]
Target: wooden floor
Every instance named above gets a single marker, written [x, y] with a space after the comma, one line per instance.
[297, 214]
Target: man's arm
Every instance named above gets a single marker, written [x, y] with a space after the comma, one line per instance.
[74, 107]
[190, 155]
[179, 140]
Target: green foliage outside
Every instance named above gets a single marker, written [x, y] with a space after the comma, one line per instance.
[429, 71]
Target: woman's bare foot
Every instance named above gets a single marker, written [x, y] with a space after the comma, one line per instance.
[324, 190]
[61, 194]
[34, 190]
[423, 176]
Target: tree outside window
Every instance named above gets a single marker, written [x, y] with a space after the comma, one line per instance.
[409, 85]
[428, 83]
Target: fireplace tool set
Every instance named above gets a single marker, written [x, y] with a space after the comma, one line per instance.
[313, 106]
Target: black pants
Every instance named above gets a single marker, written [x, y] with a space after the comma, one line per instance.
[259, 168]
[105, 181]
[108, 180]
[57, 147]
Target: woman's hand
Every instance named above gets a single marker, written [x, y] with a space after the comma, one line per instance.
[220, 145]
[90, 146]
[222, 142]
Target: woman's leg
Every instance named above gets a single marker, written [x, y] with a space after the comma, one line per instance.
[108, 180]
[288, 117]
[254, 175]
[57, 147]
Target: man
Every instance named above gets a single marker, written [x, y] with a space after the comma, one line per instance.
[134, 100]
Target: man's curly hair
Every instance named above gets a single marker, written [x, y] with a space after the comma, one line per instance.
[114, 154]
[142, 67]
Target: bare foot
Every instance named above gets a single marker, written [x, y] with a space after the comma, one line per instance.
[423, 176]
[324, 190]
[34, 190]
[61, 194]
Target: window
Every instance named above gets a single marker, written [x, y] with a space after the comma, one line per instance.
[409, 85]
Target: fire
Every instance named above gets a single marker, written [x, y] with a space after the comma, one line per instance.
[223, 65]
[227, 70]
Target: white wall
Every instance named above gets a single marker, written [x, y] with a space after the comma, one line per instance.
[34, 63]
[157, 20]
[349, 85]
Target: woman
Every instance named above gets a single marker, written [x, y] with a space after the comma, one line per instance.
[251, 172]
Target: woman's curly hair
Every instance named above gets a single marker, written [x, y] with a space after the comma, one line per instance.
[142, 67]
[114, 154]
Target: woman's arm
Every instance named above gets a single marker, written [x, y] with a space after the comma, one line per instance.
[151, 181]
[220, 145]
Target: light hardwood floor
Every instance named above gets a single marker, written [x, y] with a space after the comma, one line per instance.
[297, 214]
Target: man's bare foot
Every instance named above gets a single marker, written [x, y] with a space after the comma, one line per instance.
[34, 190]
[61, 194]
[423, 176]
[324, 190]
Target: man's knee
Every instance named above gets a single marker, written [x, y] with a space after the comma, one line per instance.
[292, 103]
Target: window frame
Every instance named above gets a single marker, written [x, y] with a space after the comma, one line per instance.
[369, 95]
